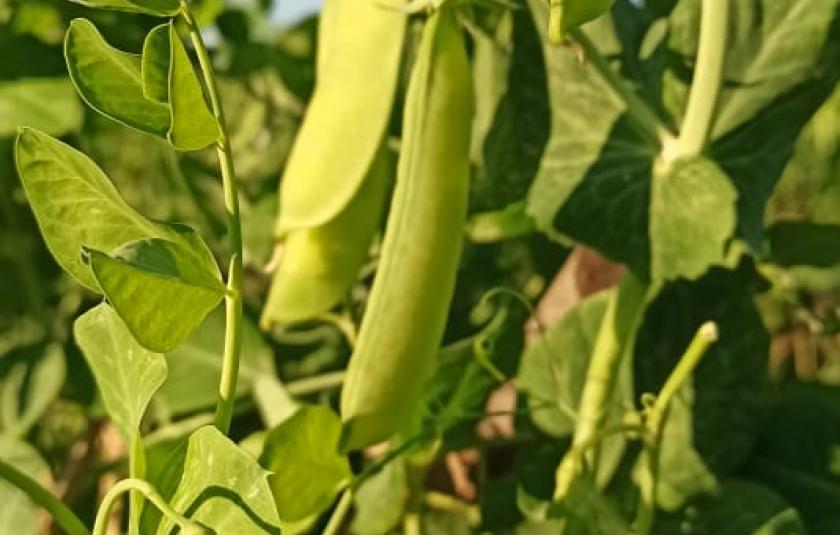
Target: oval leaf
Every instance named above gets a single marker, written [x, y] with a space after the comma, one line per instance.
[162, 8]
[161, 289]
[193, 126]
[127, 374]
[109, 80]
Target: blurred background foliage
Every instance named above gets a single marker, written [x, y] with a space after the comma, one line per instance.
[51, 422]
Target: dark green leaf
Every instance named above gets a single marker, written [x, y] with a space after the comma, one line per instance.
[307, 470]
[801, 243]
[110, 81]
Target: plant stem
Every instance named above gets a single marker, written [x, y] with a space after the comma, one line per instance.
[657, 415]
[708, 75]
[62, 514]
[100, 526]
[617, 327]
[339, 514]
[233, 298]
[136, 470]
[318, 383]
[637, 109]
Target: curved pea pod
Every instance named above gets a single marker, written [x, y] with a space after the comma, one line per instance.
[359, 51]
[565, 15]
[319, 265]
[409, 301]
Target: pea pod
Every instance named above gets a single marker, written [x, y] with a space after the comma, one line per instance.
[319, 265]
[359, 51]
[406, 314]
[565, 15]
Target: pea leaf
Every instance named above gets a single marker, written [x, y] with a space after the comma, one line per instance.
[23, 407]
[126, 373]
[328, 165]
[162, 291]
[380, 500]
[49, 104]
[308, 471]
[195, 365]
[155, 64]
[17, 512]
[692, 217]
[223, 488]
[193, 126]
[163, 8]
[110, 80]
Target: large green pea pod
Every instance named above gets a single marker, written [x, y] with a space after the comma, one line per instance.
[406, 315]
[565, 15]
[318, 265]
[359, 52]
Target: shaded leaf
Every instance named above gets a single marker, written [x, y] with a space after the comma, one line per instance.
[151, 7]
[22, 409]
[161, 289]
[307, 470]
[379, 500]
[801, 243]
[155, 64]
[193, 126]
[110, 81]
[195, 366]
[126, 373]
[49, 104]
[224, 488]
[17, 513]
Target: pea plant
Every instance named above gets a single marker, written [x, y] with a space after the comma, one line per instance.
[428, 267]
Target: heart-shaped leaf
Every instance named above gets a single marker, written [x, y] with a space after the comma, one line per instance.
[127, 374]
[224, 488]
[161, 289]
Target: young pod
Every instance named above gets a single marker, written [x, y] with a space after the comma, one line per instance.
[565, 15]
[406, 315]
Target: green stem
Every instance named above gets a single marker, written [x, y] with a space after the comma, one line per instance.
[319, 383]
[637, 109]
[339, 514]
[100, 526]
[708, 75]
[617, 327]
[657, 415]
[62, 514]
[136, 470]
[233, 298]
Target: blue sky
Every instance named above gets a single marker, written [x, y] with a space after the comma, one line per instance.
[289, 11]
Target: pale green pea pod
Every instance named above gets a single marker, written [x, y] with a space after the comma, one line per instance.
[565, 15]
[406, 315]
[319, 265]
[359, 51]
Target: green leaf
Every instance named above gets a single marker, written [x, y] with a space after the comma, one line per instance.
[163, 290]
[308, 471]
[739, 507]
[163, 8]
[110, 81]
[126, 373]
[553, 371]
[75, 204]
[193, 126]
[223, 488]
[589, 512]
[195, 366]
[692, 218]
[274, 402]
[49, 104]
[155, 64]
[21, 410]
[801, 243]
[17, 512]
[380, 499]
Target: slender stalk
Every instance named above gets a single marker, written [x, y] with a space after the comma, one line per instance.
[136, 470]
[318, 383]
[637, 109]
[617, 326]
[708, 75]
[339, 514]
[233, 298]
[100, 526]
[657, 415]
[62, 514]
